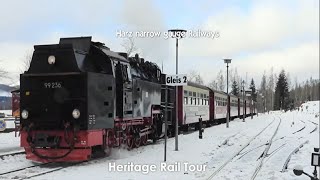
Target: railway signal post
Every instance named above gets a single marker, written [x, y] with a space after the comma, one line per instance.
[176, 80]
[167, 107]
[177, 34]
[315, 161]
[243, 105]
[166, 124]
[249, 94]
[227, 61]
[251, 104]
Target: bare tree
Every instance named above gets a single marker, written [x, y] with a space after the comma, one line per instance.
[129, 46]
[220, 80]
[26, 61]
[213, 85]
[271, 85]
[195, 77]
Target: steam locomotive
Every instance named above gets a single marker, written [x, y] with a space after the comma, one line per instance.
[79, 100]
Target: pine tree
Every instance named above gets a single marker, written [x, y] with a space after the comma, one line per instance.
[235, 88]
[281, 98]
[253, 89]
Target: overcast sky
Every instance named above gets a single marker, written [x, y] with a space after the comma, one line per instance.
[257, 34]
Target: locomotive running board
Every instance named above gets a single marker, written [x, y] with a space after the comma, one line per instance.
[145, 131]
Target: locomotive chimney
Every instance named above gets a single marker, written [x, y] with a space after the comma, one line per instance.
[137, 58]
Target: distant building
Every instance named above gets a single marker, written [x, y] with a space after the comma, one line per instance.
[5, 97]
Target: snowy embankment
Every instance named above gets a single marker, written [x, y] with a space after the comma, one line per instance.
[223, 153]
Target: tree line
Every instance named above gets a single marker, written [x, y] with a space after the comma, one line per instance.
[235, 82]
[276, 92]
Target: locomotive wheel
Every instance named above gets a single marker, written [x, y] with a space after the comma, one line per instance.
[137, 141]
[144, 139]
[137, 138]
[130, 142]
[130, 139]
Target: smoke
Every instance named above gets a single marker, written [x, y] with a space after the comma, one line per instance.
[141, 21]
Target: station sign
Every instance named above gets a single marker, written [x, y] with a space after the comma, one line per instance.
[176, 80]
[3, 125]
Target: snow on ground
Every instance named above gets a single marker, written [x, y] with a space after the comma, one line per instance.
[311, 107]
[218, 145]
[8, 142]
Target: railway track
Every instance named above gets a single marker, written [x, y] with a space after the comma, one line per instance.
[265, 153]
[275, 151]
[238, 152]
[228, 138]
[39, 169]
[315, 127]
[21, 169]
[36, 170]
[50, 171]
[301, 128]
[11, 154]
[285, 165]
[246, 152]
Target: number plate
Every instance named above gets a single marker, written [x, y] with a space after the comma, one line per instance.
[52, 85]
